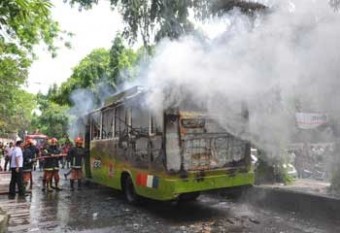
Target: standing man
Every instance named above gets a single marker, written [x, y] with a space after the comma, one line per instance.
[76, 155]
[16, 168]
[8, 151]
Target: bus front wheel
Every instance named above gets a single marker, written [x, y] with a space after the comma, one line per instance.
[129, 190]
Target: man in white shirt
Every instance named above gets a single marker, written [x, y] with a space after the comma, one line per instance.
[8, 151]
[16, 168]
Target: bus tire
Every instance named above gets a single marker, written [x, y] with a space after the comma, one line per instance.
[129, 190]
[186, 197]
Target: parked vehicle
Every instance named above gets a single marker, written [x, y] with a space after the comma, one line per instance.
[290, 170]
[39, 139]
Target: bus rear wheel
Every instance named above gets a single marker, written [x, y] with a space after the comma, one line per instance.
[187, 197]
[129, 191]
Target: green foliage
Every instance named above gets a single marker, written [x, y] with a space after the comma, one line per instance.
[17, 115]
[23, 24]
[86, 74]
[100, 66]
[86, 4]
[156, 19]
[91, 69]
[141, 16]
[53, 120]
[121, 59]
[27, 22]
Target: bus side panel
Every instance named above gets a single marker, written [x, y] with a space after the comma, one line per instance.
[103, 163]
[87, 162]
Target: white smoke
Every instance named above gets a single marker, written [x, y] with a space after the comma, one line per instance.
[83, 102]
[268, 61]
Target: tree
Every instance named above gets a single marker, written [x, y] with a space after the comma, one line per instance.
[11, 78]
[335, 4]
[90, 70]
[19, 112]
[100, 66]
[53, 120]
[156, 19]
[121, 59]
[23, 24]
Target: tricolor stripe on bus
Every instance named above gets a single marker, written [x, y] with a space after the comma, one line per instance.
[146, 180]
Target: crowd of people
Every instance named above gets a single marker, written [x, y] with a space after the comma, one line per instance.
[21, 158]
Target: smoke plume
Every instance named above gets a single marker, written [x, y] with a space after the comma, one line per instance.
[279, 62]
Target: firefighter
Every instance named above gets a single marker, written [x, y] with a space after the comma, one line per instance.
[76, 155]
[35, 151]
[54, 151]
[48, 167]
[29, 159]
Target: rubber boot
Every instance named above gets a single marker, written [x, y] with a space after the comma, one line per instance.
[72, 185]
[79, 185]
[31, 181]
[49, 188]
[25, 184]
[57, 186]
[44, 186]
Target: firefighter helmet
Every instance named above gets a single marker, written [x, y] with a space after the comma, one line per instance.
[53, 141]
[78, 140]
[29, 141]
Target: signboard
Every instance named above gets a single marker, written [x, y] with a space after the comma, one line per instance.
[310, 120]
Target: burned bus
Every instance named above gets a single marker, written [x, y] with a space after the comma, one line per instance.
[169, 154]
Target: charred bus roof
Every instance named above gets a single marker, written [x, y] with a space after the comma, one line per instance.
[121, 97]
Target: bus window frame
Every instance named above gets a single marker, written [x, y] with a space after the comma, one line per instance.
[92, 124]
[109, 111]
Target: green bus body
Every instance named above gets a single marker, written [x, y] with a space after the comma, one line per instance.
[165, 159]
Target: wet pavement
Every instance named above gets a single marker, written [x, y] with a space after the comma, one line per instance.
[310, 186]
[99, 209]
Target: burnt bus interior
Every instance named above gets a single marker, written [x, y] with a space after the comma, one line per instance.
[176, 139]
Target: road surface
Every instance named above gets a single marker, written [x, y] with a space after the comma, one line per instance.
[100, 209]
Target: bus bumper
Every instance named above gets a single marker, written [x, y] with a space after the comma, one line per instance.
[170, 188]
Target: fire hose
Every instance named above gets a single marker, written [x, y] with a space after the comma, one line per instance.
[52, 156]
